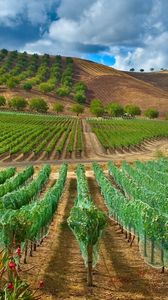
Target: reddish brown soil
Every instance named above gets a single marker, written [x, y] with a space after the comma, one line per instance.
[120, 274]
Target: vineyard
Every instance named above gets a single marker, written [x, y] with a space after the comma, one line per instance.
[125, 135]
[35, 137]
[43, 213]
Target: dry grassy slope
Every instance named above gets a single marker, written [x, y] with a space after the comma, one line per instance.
[109, 85]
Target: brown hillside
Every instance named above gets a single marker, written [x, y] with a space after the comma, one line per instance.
[110, 84]
[158, 79]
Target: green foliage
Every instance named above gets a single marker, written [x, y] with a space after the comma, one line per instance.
[63, 91]
[18, 103]
[132, 110]
[38, 104]
[58, 107]
[27, 86]
[80, 96]
[151, 113]
[78, 109]
[11, 83]
[2, 100]
[96, 107]
[46, 87]
[86, 220]
[115, 110]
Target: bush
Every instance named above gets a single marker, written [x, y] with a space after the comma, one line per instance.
[97, 108]
[11, 83]
[151, 113]
[2, 101]
[132, 110]
[78, 109]
[38, 104]
[27, 86]
[46, 87]
[80, 96]
[18, 103]
[115, 110]
[80, 86]
[58, 107]
[63, 91]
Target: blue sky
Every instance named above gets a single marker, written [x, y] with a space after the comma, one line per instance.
[119, 33]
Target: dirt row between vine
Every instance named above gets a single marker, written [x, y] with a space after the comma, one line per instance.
[121, 273]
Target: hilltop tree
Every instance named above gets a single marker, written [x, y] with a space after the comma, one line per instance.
[132, 110]
[141, 70]
[58, 107]
[38, 104]
[115, 109]
[78, 109]
[132, 70]
[151, 69]
[2, 100]
[18, 103]
[152, 113]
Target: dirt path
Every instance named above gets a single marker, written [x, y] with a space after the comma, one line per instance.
[121, 272]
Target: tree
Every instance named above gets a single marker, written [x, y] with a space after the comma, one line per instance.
[11, 83]
[151, 69]
[63, 91]
[151, 113]
[78, 109]
[18, 103]
[96, 107]
[38, 104]
[132, 110]
[98, 111]
[46, 87]
[80, 96]
[132, 70]
[115, 109]
[27, 86]
[141, 70]
[2, 101]
[58, 107]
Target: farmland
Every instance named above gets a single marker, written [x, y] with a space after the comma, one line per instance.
[118, 201]
[38, 137]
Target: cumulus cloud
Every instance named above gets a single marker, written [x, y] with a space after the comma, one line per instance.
[13, 12]
[134, 31]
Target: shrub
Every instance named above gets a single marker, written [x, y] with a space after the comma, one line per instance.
[2, 101]
[38, 104]
[63, 91]
[46, 87]
[18, 103]
[97, 108]
[80, 96]
[58, 107]
[27, 86]
[151, 113]
[78, 109]
[11, 83]
[115, 109]
[132, 110]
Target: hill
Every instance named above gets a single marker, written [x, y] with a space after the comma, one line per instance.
[146, 90]
[106, 83]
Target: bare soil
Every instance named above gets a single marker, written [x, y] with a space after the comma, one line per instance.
[121, 273]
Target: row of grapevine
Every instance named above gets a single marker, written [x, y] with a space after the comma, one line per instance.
[121, 134]
[26, 194]
[87, 222]
[136, 215]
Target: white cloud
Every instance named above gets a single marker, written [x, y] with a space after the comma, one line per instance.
[13, 12]
[134, 31]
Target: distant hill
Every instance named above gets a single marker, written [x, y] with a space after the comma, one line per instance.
[106, 83]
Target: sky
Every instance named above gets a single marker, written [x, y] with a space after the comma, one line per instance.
[123, 34]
